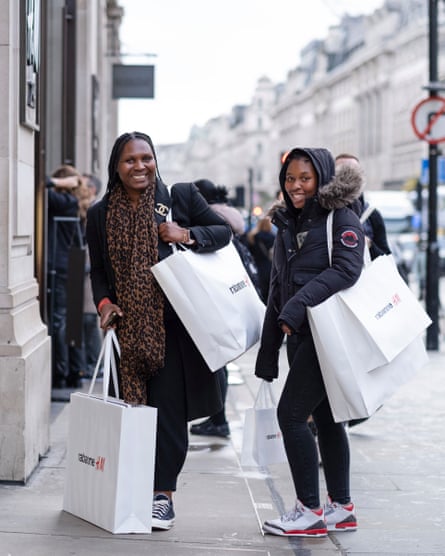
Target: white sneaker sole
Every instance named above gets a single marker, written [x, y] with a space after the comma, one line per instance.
[162, 525]
[276, 531]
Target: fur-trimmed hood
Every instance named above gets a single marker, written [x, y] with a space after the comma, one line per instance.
[335, 189]
[343, 189]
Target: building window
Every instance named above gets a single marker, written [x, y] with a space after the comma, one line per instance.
[29, 62]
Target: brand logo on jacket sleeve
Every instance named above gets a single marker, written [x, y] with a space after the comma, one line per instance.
[349, 238]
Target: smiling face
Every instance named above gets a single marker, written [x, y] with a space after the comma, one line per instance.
[137, 167]
[301, 181]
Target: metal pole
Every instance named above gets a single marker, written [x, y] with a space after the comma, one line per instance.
[432, 261]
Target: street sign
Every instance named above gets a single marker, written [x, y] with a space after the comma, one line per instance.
[133, 81]
[425, 171]
[428, 120]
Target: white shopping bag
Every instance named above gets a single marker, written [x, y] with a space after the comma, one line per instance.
[215, 300]
[372, 321]
[382, 304]
[349, 336]
[262, 439]
[373, 328]
[356, 394]
[110, 459]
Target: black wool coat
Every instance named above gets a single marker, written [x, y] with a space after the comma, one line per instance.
[211, 232]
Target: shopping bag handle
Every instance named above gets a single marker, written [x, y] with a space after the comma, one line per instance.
[109, 365]
[169, 218]
[265, 397]
[329, 233]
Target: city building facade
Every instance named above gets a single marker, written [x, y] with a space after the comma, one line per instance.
[352, 92]
[55, 63]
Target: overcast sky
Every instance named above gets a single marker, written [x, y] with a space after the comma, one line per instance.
[210, 54]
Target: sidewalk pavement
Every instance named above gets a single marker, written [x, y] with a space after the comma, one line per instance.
[398, 486]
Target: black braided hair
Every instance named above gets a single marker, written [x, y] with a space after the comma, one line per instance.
[116, 151]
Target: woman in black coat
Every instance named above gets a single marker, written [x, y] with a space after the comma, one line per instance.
[302, 277]
[160, 366]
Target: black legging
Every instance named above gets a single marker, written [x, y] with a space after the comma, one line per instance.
[303, 395]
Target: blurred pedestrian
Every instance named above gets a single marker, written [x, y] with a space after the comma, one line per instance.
[372, 219]
[260, 240]
[160, 365]
[302, 277]
[92, 334]
[64, 190]
[217, 197]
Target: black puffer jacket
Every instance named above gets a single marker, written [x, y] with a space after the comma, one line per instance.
[301, 275]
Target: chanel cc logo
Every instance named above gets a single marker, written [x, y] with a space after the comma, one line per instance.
[161, 209]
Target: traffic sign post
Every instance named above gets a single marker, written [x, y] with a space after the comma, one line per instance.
[428, 120]
[432, 131]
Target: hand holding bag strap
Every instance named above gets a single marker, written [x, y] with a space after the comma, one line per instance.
[109, 365]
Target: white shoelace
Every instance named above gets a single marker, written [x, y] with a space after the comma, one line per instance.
[293, 514]
[160, 508]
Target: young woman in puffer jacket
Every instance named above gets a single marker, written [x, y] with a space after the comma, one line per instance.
[302, 277]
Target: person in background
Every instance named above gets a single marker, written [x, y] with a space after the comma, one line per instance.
[216, 196]
[92, 334]
[260, 240]
[311, 189]
[373, 222]
[64, 189]
[95, 186]
[160, 366]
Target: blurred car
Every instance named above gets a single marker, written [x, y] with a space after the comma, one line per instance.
[395, 207]
[398, 257]
[405, 248]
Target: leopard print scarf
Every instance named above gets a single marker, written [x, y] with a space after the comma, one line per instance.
[132, 237]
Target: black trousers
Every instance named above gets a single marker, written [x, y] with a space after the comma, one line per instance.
[303, 395]
[166, 391]
[223, 380]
